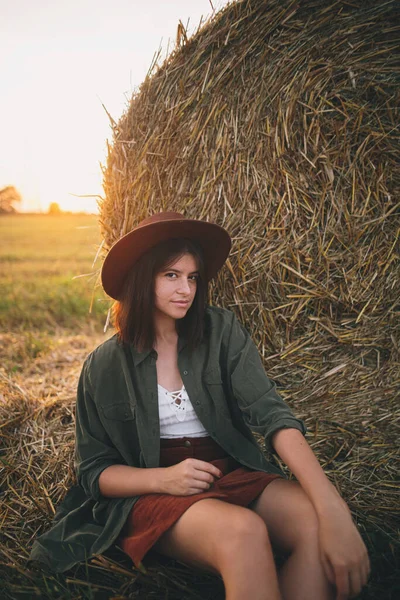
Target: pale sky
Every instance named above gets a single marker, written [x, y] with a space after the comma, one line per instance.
[59, 61]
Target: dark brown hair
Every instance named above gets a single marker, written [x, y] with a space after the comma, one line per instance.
[133, 314]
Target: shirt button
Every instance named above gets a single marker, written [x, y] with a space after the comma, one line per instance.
[185, 372]
[187, 443]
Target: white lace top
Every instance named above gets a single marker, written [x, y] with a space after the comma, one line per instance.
[177, 416]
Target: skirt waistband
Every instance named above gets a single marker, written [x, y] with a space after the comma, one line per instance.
[175, 450]
[187, 442]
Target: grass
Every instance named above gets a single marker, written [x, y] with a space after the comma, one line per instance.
[42, 262]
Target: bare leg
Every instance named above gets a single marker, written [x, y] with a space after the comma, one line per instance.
[293, 527]
[228, 539]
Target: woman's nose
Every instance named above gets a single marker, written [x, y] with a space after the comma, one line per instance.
[184, 286]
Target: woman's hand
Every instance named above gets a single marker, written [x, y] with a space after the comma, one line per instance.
[191, 476]
[343, 552]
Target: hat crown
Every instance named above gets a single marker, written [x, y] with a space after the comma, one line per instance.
[161, 217]
[161, 227]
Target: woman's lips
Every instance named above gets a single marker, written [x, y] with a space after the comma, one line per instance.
[180, 303]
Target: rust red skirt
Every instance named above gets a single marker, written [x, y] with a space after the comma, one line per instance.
[153, 514]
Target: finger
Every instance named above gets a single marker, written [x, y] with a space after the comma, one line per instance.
[329, 572]
[202, 465]
[355, 578]
[206, 467]
[203, 476]
[196, 490]
[364, 568]
[365, 571]
[342, 583]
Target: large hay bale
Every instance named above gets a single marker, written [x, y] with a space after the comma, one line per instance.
[278, 120]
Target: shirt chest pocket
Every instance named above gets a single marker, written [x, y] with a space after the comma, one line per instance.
[216, 389]
[121, 411]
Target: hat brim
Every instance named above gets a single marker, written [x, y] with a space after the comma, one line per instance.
[213, 239]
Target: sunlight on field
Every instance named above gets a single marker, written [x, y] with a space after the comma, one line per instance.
[40, 255]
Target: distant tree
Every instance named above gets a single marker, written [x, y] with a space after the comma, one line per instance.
[54, 209]
[8, 197]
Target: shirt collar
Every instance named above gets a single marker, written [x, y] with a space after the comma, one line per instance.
[139, 357]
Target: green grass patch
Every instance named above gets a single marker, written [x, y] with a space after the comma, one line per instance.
[42, 262]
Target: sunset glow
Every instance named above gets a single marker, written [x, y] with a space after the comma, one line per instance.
[62, 62]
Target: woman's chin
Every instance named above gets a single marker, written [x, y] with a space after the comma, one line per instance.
[174, 312]
[179, 310]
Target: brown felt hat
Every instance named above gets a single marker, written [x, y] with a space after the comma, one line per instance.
[213, 239]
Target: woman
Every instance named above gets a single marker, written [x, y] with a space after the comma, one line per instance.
[164, 451]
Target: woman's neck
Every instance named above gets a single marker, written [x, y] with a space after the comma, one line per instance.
[165, 329]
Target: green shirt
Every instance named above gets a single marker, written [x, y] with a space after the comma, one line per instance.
[117, 422]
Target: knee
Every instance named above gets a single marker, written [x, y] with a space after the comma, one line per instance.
[246, 532]
[306, 527]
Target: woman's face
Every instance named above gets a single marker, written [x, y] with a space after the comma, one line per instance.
[175, 288]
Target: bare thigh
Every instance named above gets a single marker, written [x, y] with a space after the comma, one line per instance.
[197, 536]
[287, 513]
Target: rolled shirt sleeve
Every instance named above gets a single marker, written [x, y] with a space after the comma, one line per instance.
[263, 409]
[94, 450]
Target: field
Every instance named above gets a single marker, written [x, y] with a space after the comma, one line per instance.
[47, 275]
[46, 330]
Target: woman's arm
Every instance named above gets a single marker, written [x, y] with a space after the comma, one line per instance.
[99, 464]
[295, 452]
[188, 477]
[121, 481]
[262, 407]
[343, 553]
[94, 451]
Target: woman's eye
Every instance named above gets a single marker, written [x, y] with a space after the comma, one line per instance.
[174, 275]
